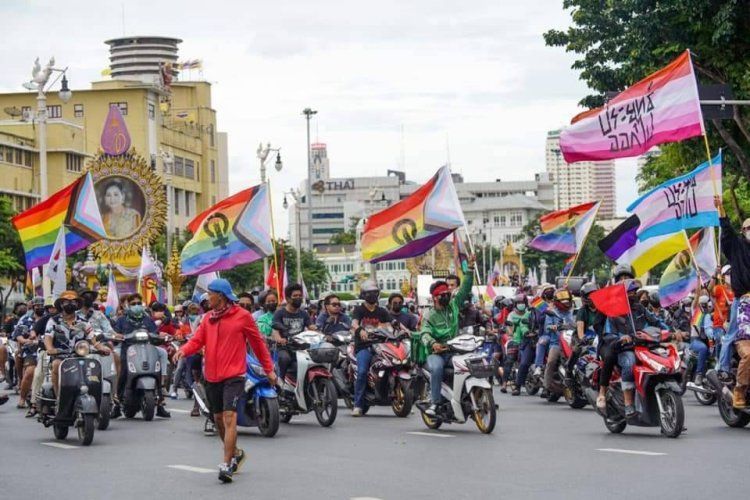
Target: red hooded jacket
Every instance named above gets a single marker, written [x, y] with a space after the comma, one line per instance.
[224, 340]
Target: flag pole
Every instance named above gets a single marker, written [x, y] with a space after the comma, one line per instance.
[695, 262]
[273, 235]
[471, 247]
[583, 245]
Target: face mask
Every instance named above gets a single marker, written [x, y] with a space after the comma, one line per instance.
[548, 295]
[21, 311]
[644, 303]
[193, 317]
[39, 311]
[521, 307]
[87, 302]
[270, 307]
[747, 235]
[296, 302]
[371, 297]
[397, 308]
[70, 308]
[444, 300]
[136, 311]
[247, 307]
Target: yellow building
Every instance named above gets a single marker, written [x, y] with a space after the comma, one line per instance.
[172, 125]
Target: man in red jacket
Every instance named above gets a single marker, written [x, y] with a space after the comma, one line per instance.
[223, 333]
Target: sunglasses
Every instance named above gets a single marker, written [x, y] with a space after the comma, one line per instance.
[335, 304]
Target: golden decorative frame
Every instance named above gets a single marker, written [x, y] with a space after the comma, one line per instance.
[135, 168]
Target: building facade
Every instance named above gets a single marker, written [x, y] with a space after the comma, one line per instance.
[345, 267]
[171, 123]
[580, 182]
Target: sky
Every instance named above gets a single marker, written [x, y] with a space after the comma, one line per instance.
[408, 85]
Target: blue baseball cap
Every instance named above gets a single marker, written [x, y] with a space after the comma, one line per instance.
[222, 286]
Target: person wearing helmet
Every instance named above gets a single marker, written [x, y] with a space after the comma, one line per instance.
[470, 315]
[439, 325]
[623, 272]
[660, 313]
[555, 318]
[700, 336]
[505, 306]
[724, 319]
[682, 316]
[27, 341]
[523, 330]
[369, 314]
[737, 251]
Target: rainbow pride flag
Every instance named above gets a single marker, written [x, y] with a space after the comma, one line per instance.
[73, 207]
[539, 304]
[565, 230]
[698, 318]
[415, 224]
[235, 231]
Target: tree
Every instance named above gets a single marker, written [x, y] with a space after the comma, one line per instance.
[12, 256]
[347, 237]
[620, 42]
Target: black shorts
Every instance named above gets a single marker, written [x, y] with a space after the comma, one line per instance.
[197, 363]
[225, 395]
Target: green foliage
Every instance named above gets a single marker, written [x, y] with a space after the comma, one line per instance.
[12, 257]
[347, 237]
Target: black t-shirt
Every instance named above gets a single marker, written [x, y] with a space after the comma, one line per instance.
[368, 318]
[290, 323]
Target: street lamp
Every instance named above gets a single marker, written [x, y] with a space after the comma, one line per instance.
[262, 154]
[296, 196]
[309, 114]
[40, 78]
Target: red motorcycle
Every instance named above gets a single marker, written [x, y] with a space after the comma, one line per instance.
[389, 378]
[658, 400]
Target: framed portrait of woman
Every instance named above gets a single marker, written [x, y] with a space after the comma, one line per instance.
[122, 205]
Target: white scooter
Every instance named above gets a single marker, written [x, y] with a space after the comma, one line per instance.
[312, 388]
[466, 389]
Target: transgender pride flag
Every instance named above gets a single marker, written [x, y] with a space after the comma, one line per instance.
[663, 107]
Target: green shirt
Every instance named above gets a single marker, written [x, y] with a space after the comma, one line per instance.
[264, 323]
[520, 324]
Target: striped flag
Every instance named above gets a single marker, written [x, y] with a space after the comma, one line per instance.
[113, 300]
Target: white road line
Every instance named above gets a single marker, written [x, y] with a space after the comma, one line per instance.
[60, 445]
[178, 410]
[632, 452]
[365, 498]
[190, 468]
[430, 434]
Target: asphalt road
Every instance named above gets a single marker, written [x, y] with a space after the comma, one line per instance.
[537, 450]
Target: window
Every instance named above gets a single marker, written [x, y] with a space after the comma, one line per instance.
[78, 110]
[213, 200]
[189, 168]
[177, 195]
[502, 221]
[496, 220]
[187, 203]
[197, 170]
[19, 157]
[151, 111]
[26, 112]
[327, 230]
[54, 111]
[213, 171]
[179, 166]
[211, 137]
[28, 160]
[123, 107]
[337, 215]
[73, 163]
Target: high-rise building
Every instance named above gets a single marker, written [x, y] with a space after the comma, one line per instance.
[581, 182]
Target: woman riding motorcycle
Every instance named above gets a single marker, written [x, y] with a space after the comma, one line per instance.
[523, 329]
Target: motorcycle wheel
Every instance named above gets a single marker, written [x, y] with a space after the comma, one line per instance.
[348, 402]
[148, 406]
[574, 400]
[531, 386]
[60, 431]
[615, 426]
[730, 416]
[402, 401]
[671, 420]
[431, 423]
[129, 410]
[268, 421]
[486, 416]
[86, 430]
[552, 397]
[705, 399]
[327, 405]
[104, 411]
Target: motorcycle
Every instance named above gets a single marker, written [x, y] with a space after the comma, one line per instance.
[310, 387]
[705, 393]
[340, 369]
[107, 363]
[731, 416]
[657, 395]
[466, 390]
[77, 404]
[389, 377]
[10, 367]
[259, 405]
[563, 383]
[144, 373]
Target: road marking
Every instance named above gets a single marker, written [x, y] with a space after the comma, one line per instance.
[632, 452]
[430, 434]
[365, 498]
[60, 445]
[190, 468]
[177, 410]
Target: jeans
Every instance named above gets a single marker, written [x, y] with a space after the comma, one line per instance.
[436, 366]
[553, 361]
[701, 351]
[626, 360]
[611, 354]
[364, 357]
[163, 360]
[727, 342]
[541, 350]
[526, 353]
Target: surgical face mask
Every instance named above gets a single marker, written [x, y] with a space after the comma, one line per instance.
[396, 307]
[136, 310]
[521, 307]
[371, 297]
[70, 308]
[193, 317]
[644, 303]
[296, 302]
[444, 299]
[270, 306]
[39, 311]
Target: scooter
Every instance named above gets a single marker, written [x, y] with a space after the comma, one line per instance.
[77, 404]
[311, 387]
[705, 393]
[10, 367]
[108, 377]
[731, 416]
[340, 369]
[144, 373]
[259, 405]
[657, 394]
[562, 383]
[465, 388]
[389, 376]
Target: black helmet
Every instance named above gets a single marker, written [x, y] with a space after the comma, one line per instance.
[624, 270]
[499, 301]
[507, 302]
[520, 298]
[588, 288]
[653, 298]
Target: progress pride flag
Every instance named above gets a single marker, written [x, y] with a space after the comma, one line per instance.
[663, 107]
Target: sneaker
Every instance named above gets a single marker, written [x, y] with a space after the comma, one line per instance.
[116, 411]
[516, 391]
[173, 394]
[699, 379]
[538, 371]
[195, 413]
[630, 411]
[225, 473]
[209, 428]
[357, 412]
[431, 410]
[238, 460]
[3, 399]
[504, 389]
[161, 411]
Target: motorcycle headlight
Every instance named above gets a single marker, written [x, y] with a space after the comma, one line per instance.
[141, 335]
[82, 349]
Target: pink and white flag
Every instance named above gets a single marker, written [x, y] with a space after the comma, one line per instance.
[663, 107]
